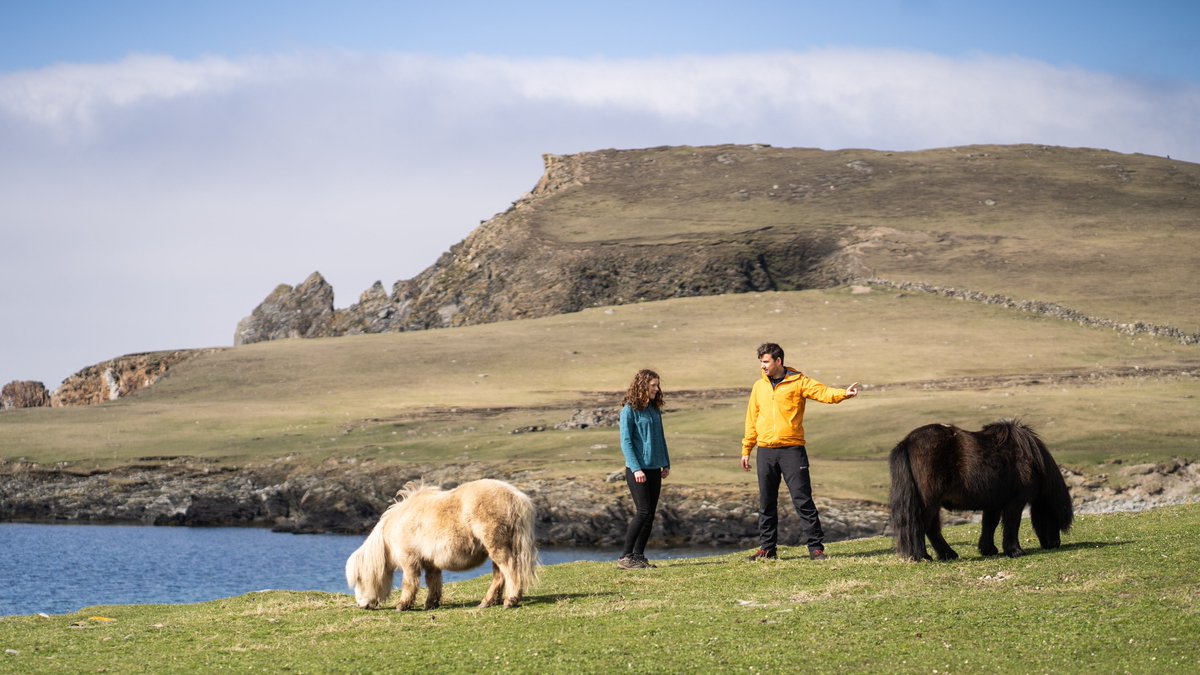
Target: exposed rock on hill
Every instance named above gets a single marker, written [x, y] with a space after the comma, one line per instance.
[289, 312]
[105, 381]
[119, 377]
[24, 394]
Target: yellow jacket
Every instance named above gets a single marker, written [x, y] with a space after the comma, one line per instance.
[775, 416]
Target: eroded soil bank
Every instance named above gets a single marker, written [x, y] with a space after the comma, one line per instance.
[347, 496]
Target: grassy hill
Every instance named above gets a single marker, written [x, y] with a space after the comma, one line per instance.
[455, 395]
[1120, 596]
[1105, 233]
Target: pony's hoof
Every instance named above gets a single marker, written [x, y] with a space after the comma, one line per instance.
[515, 602]
[432, 605]
[988, 551]
[487, 603]
[1015, 553]
[948, 557]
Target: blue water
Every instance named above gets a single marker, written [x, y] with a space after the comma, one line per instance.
[60, 569]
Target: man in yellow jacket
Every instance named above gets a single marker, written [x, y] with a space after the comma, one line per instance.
[775, 425]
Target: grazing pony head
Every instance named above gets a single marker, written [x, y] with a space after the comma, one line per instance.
[369, 569]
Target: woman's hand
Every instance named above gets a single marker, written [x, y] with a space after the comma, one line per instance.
[666, 471]
[639, 476]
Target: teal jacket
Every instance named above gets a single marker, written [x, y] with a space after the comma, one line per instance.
[642, 440]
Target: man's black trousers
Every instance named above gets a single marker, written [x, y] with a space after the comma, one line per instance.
[790, 465]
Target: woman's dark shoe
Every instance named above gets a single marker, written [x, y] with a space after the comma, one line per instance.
[631, 562]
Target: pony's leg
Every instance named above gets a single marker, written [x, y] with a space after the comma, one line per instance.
[433, 584]
[987, 535]
[493, 592]
[933, 530]
[409, 586]
[1012, 526]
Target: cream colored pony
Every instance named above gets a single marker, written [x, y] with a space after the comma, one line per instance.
[433, 530]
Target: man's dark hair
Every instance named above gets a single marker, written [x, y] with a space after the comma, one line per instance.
[771, 348]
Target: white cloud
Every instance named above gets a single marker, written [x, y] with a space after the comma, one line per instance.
[66, 99]
[162, 199]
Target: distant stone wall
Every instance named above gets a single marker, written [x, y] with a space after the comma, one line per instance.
[1048, 309]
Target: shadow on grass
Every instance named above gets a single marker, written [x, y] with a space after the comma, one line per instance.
[972, 554]
[529, 601]
[1072, 546]
[875, 553]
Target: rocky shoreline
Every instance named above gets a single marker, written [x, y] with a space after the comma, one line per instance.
[347, 496]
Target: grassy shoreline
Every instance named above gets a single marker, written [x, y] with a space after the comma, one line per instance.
[1121, 595]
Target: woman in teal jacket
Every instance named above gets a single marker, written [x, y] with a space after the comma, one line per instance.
[646, 462]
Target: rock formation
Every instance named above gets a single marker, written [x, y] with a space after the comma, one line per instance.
[115, 378]
[24, 394]
[303, 311]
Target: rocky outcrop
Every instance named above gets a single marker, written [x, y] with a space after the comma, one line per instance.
[348, 496]
[119, 377]
[591, 418]
[1134, 487]
[477, 282]
[302, 311]
[24, 394]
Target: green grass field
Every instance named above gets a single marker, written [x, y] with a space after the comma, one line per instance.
[1122, 595]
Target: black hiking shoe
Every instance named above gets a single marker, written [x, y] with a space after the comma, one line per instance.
[645, 563]
[817, 554]
[763, 554]
[631, 562]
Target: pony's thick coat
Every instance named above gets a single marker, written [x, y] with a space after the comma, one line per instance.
[432, 529]
[998, 469]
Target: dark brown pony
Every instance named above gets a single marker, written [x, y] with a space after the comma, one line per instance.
[998, 469]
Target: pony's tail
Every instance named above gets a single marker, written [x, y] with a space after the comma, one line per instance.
[905, 503]
[524, 547]
[1052, 511]
[367, 571]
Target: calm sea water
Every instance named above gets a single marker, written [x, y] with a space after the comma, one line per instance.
[60, 569]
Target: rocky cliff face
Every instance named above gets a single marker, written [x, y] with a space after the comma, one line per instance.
[23, 394]
[106, 381]
[509, 268]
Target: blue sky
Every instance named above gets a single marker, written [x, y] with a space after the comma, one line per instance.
[1151, 39]
[165, 164]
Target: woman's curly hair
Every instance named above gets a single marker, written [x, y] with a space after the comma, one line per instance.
[638, 395]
